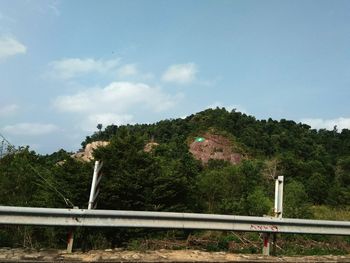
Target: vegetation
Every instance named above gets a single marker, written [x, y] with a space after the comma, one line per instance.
[315, 163]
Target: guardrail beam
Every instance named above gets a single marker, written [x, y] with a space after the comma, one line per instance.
[142, 219]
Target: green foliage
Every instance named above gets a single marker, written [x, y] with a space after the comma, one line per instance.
[136, 180]
[239, 189]
[129, 174]
[340, 191]
[296, 201]
[316, 166]
[317, 188]
[258, 203]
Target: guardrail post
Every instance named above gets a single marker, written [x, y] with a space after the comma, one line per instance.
[70, 239]
[266, 247]
[278, 209]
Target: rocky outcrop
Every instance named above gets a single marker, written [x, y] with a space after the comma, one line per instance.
[86, 154]
[150, 146]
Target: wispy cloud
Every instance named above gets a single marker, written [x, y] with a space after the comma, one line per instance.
[53, 6]
[319, 123]
[127, 70]
[6, 18]
[30, 129]
[9, 46]
[47, 7]
[8, 109]
[74, 67]
[180, 73]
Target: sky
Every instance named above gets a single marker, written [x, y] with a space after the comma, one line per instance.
[66, 66]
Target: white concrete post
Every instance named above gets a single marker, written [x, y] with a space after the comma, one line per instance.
[278, 209]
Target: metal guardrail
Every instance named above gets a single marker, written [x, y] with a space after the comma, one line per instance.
[141, 219]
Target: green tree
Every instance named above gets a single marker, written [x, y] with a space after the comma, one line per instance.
[214, 187]
[340, 190]
[258, 203]
[295, 203]
[19, 182]
[317, 187]
[99, 127]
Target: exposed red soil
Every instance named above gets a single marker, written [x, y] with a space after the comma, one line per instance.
[215, 147]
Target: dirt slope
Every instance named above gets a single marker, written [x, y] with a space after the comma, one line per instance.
[86, 154]
[216, 147]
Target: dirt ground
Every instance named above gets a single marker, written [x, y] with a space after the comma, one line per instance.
[119, 255]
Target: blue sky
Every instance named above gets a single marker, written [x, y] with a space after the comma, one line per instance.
[66, 66]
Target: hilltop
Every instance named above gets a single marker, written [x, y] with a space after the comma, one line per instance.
[315, 158]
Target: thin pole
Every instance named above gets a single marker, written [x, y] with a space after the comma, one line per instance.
[93, 185]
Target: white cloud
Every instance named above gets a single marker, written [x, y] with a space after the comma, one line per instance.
[73, 67]
[8, 109]
[117, 97]
[180, 73]
[228, 107]
[127, 70]
[9, 46]
[105, 119]
[114, 104]
[318, 123]
[31, 129]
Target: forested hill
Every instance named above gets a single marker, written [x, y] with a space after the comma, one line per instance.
[264, 138]
[316, 166]
[314, 162]
[317, 159]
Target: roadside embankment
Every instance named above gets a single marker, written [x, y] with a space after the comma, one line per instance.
[118, 255]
